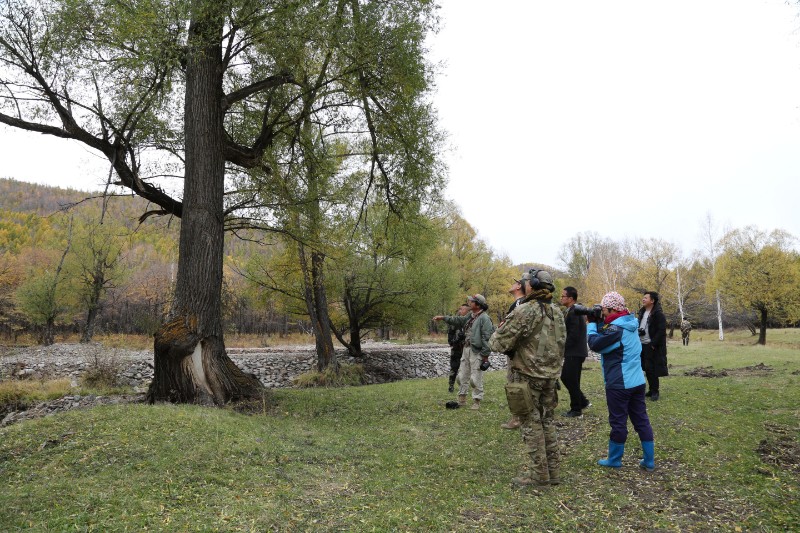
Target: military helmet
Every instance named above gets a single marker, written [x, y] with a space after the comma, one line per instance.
[539, 279]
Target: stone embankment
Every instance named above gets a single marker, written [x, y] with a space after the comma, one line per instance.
[274, 367]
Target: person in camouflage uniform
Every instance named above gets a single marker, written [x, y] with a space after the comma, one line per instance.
[533, 336]
[686, 327]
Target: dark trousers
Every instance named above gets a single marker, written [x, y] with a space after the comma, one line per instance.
[455, 362]
[571, 378]
[624, 404]
[652, 377]
[652, 381]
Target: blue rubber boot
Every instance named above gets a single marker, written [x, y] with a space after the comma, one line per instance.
[648, 461]
[615, 451]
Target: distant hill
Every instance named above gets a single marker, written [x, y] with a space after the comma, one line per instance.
[43, 200]
[555, 272]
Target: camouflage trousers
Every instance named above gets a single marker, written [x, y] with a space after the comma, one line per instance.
[538, 428]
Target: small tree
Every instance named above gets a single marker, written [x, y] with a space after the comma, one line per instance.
[761, 272]
[96, 264]
[41, 296]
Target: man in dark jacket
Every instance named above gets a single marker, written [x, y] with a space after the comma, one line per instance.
[653, 334]
[575, 352]
[455, 338]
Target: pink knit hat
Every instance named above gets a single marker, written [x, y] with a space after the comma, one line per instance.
[613, 300]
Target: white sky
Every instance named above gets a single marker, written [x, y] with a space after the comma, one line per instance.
[627, 118]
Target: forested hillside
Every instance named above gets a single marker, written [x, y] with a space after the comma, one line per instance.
[42, 200]
[113, 267]
[94, 267]
[76, 262]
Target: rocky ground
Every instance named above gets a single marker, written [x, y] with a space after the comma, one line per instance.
[274, 366]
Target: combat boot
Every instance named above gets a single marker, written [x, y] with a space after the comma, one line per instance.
[476, 404]
[526, 480]
[514, 423]
[462, 400]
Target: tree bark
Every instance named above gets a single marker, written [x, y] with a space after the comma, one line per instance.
[762, 331]
[47, 337]
[98, 281]
[191, 364]
[317, 307]
[91, 320]
[354, 346]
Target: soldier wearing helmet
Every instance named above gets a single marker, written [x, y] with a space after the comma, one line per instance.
[533, 335]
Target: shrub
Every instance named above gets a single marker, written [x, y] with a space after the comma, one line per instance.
[102, 374]
[347, 376]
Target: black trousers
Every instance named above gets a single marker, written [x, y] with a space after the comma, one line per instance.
[571, 378]
[455, 362]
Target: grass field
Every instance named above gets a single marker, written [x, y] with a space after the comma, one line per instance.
[391, 458]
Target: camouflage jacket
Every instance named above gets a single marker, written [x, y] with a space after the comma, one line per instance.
[686, 326]
[533, 336]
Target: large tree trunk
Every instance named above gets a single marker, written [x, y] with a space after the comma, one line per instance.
[762, 330]
[326, 358]
[190, 360]
[317, 307]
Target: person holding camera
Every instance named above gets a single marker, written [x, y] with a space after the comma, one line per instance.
[575, 352]
[613, 334]
[653, 333]
[455, 338]
[533, 336]
[477, 328]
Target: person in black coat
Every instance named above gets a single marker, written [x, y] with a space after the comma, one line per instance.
[575, 352]
[653, 334]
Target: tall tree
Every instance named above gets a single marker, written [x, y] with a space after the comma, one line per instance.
[198, 79]
[576, 257]
[761, 271]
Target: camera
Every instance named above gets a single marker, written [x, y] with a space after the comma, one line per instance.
[485, 365]
[594, 313]
[642, 332]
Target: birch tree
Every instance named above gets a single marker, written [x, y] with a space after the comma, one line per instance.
[711, 250]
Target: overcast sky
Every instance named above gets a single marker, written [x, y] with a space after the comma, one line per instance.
[627, 118]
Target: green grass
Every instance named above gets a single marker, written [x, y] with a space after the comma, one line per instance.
[391, 458]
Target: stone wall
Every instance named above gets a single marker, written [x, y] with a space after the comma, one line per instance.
[275, 367]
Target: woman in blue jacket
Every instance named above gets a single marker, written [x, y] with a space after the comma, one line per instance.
[617, 342]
